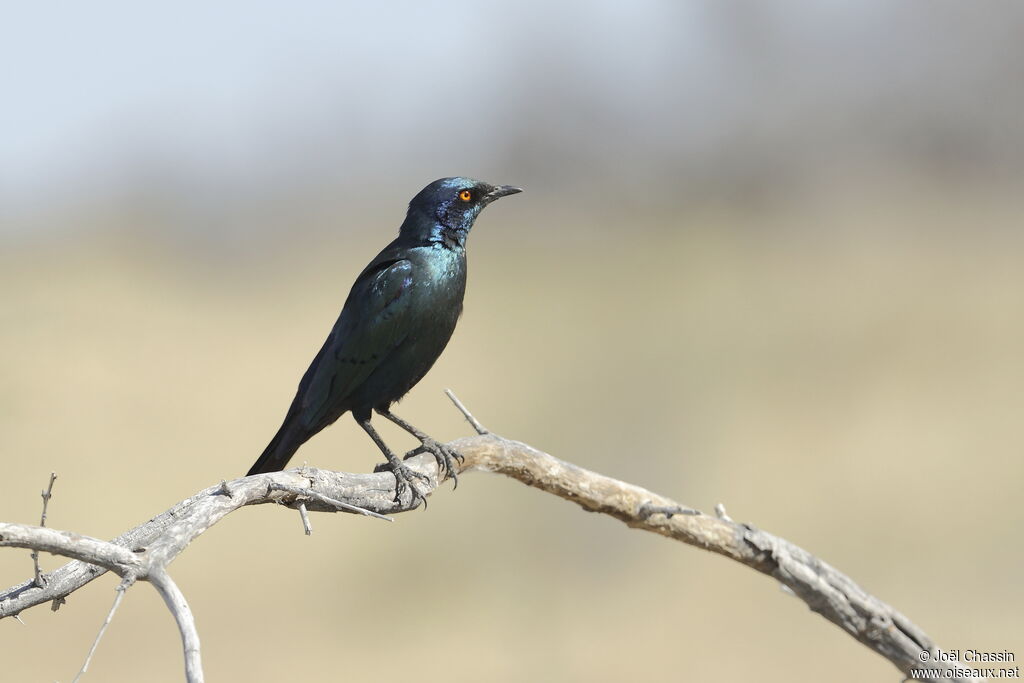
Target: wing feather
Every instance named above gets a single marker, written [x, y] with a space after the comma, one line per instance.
[368, 329]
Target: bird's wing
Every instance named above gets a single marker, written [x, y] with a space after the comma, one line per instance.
[368, 329]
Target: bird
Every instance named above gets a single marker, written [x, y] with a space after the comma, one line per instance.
[397, 319]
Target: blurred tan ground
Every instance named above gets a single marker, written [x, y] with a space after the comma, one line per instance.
[848, 376]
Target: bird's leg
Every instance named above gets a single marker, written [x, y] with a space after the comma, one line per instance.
[444, 455]
[404, 474]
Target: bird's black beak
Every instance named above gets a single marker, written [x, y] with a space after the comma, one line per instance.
[501, 191]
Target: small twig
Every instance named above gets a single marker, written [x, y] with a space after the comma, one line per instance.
[313, 495]
[121, 588]
[480, 429]
[304, 516]
[38, 576]
[47, 494]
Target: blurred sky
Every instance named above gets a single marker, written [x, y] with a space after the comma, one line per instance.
[199, 105]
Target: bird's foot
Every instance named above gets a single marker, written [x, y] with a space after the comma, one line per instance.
[404, 480]
[446, 458]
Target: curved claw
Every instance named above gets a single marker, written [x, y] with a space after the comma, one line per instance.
[444, 457]
[404, 476]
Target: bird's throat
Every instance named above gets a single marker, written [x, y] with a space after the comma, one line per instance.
[449, 238]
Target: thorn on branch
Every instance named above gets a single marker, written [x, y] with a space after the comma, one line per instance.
[721, 513]
[480, 429]
[55, 605]
[225, 490]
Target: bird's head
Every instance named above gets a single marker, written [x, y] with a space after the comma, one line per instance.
[443, 211]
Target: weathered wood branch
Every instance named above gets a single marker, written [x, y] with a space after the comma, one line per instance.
[157, 542]
[176, 603]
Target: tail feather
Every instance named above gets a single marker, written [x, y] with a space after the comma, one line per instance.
[280, 449]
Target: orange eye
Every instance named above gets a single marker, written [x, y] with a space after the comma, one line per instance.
[465, 195]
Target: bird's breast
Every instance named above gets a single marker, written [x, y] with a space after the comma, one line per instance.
[441, 262]
[441, 274]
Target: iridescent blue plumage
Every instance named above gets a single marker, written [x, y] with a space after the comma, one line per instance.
[397, 319]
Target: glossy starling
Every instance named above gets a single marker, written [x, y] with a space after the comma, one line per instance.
[397, 319]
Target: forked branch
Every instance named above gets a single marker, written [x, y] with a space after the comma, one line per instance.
[156, 543]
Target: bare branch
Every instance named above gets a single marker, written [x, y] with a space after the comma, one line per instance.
[38, 576]
[170, 532]
[825, 590]
[131, 566]
[76, 546]
[175, 601]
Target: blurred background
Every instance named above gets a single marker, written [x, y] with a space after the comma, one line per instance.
[768, 255]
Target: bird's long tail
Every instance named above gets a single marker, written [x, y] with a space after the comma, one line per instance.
[280, 449]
